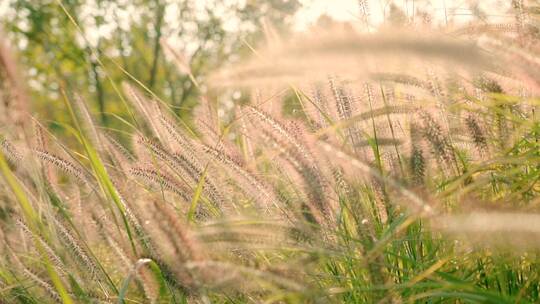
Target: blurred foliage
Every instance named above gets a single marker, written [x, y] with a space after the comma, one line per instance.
[126, 34]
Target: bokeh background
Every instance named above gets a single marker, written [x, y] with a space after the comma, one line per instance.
[124, 34]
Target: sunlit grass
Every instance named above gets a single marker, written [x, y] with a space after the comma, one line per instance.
[378, 185]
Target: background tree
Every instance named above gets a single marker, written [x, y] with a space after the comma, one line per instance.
[113, 34]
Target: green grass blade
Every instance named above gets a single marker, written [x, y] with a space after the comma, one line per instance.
[35, 225]
[196, 196]
[103, 178]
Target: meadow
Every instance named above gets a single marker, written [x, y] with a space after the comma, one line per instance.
[397, 165]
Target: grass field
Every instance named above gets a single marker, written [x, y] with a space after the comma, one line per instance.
[386, 167]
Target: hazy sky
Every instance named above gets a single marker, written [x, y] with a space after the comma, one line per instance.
[348, 10]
